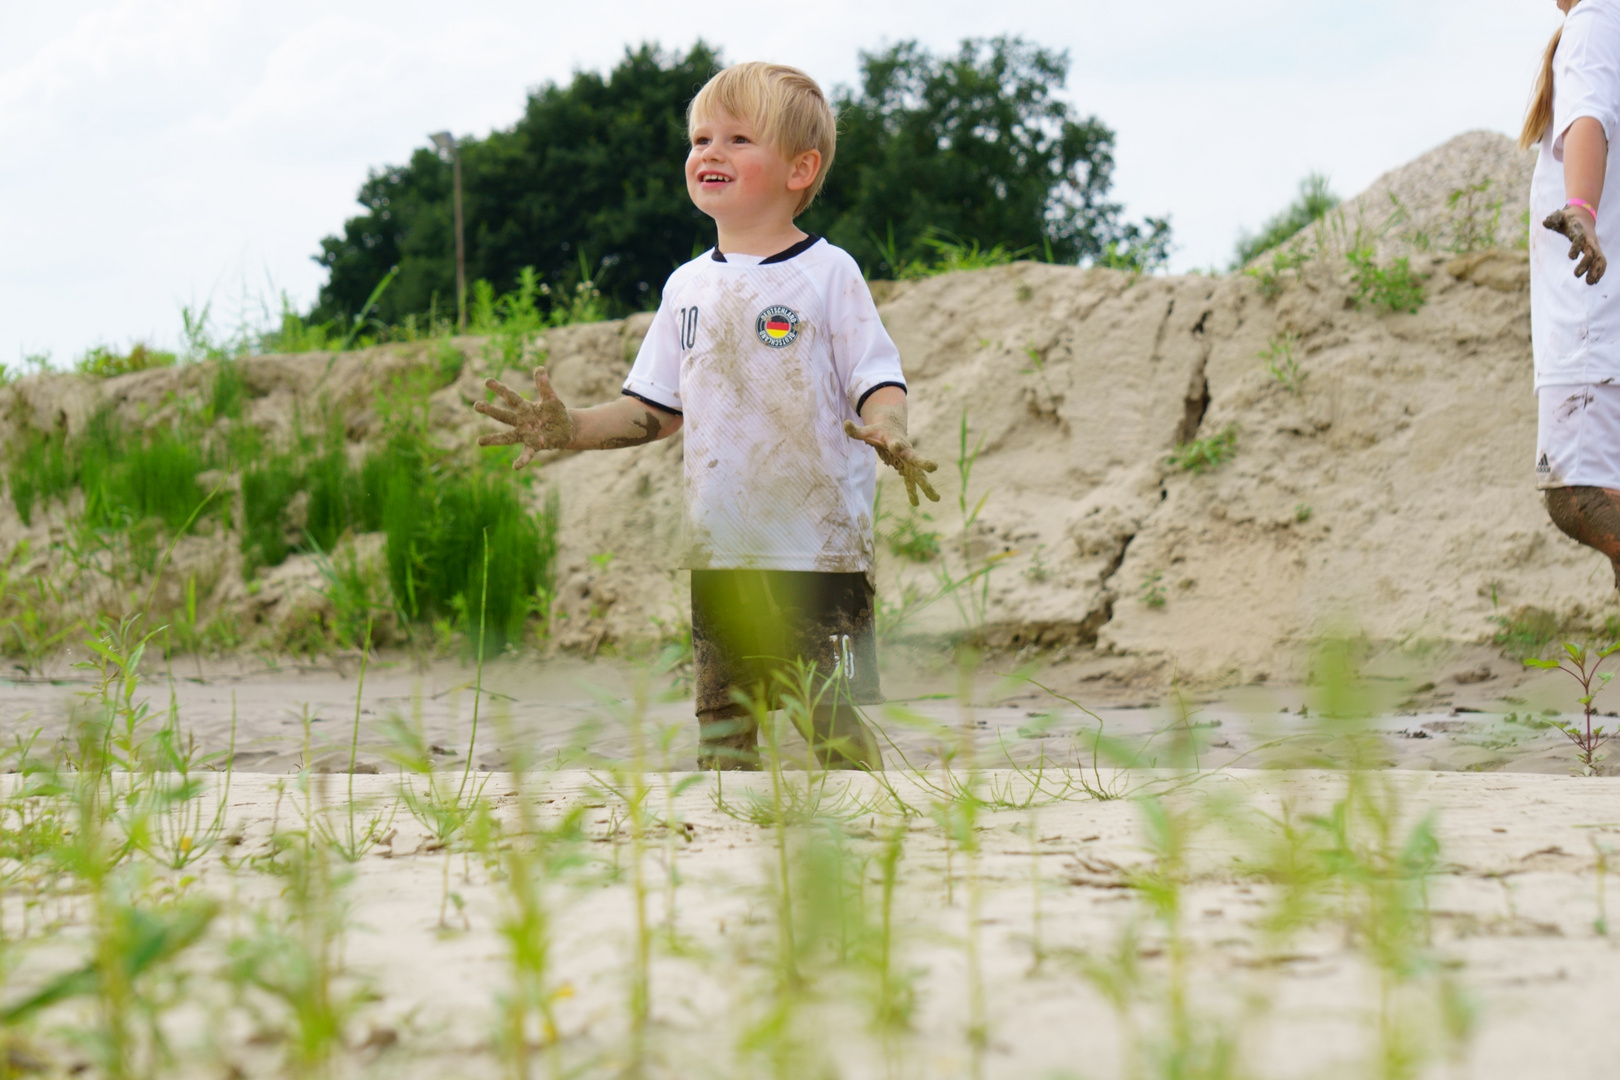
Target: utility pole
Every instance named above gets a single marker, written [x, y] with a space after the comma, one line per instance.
[445, 141]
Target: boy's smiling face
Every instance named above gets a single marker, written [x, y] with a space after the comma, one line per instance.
[741, 181]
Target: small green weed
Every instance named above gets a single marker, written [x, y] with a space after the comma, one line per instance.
[103, 362]
[1315, 199]
[1392, 288]
[1204, 454]
[1525, 633]
[1281, 355]
[1582, 665]
[1474, 218]
[1270, 276]
[952, 254]
[1152, 590]
[909, 540]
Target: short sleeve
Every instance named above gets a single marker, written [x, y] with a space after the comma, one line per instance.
[655, 377]
[1586, 72]
[864, 355]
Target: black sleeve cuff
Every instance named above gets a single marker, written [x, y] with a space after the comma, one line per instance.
[667, 408]
[861, 404]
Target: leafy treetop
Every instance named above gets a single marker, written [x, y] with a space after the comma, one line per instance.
[971, 147]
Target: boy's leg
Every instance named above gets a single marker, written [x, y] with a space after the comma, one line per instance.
[1590, 516]
[843, 741]
[723, 647]
[727, 739]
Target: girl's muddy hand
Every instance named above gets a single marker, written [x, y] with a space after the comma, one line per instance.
[1583, 243]
[896, 451]
[542, 424]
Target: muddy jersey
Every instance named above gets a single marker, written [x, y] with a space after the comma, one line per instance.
[765, 359]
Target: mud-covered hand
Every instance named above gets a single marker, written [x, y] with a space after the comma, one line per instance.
[542, 424]
[1583, 243]
[887, 435]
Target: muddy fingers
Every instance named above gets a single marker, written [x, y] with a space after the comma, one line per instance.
[1584, 248]
[887, 437]
[542, 424]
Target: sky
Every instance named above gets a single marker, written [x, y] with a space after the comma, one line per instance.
[165, 154]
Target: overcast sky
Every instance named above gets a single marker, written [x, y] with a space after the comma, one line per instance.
[155, 153]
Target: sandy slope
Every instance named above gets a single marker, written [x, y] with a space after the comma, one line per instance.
[1392, 494]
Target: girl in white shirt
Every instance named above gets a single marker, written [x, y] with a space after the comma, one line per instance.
[1575, 321]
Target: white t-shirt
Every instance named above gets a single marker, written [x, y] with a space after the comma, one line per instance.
[766, 359]
[1575, 327]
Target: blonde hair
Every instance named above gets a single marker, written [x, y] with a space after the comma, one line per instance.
[786, 107]
[1538, 118]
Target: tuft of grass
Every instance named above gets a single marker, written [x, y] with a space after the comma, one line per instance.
[1201, 455]
[1392, 288]
[1152, 590]
[909, 540]
[1315, 199]
[952, 254]
[1281, 356]
[103, 362]
[1270, 276]
[1475, 217]
[1525, 633]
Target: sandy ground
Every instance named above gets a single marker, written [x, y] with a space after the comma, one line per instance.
[1512, 909]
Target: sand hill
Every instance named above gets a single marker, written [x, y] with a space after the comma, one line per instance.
[1388, 488]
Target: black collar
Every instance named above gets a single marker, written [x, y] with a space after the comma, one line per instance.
[781, 256]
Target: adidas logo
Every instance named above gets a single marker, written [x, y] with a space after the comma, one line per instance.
[1543, 466]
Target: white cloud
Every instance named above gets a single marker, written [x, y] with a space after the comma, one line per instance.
[159, 151]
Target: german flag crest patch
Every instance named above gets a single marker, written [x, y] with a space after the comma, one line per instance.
[777, 326]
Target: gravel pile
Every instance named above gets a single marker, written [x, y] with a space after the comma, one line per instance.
[1467, 195]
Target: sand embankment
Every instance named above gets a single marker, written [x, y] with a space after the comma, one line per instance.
[1390, 490]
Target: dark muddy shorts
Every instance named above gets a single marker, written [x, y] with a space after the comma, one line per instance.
[750, 625]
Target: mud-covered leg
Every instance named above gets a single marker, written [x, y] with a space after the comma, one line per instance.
[843, 741]
[728, 739]
[1591, 516]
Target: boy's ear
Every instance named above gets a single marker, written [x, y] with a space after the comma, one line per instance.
[804, 168]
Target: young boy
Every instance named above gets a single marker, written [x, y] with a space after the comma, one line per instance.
[767, 349]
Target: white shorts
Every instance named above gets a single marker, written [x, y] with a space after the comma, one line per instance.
[1578, 437]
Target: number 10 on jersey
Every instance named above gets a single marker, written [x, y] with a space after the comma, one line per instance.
[688, 327]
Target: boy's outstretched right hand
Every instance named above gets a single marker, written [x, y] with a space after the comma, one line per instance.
[543, 424]
[887, 435]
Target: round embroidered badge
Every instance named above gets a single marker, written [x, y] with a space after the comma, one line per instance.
[777, 326]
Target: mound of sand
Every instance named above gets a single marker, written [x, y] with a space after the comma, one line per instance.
[1390, 490]
[1468, 194]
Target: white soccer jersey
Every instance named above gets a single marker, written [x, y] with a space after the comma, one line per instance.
[1575, 327]
[766, 359]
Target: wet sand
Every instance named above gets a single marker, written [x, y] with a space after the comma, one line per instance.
[1492, 721]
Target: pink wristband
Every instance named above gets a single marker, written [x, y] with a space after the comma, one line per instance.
[1584, 205]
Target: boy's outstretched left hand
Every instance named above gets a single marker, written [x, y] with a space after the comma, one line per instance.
[543, 424]
[887, 435]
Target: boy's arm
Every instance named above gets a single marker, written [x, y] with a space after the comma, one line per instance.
[547, 424]
[884, 416]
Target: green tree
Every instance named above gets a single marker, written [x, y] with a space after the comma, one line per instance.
[1315, 199]
[974, 146]
[589, 179]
